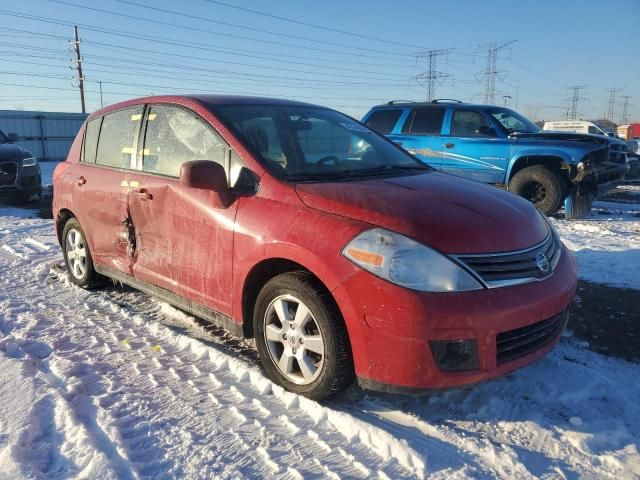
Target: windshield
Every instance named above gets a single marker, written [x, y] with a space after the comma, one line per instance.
[513, 122]
[313, 143]
[3, 138]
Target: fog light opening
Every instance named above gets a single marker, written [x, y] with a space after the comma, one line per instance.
[455, 355]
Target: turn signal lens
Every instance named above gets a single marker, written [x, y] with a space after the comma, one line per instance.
[363, 256]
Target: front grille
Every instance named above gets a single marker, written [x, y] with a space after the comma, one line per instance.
[8, 173]
[512, 268]
[617, 153]
[517, 343]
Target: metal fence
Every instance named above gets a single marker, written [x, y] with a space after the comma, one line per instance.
[47, 135]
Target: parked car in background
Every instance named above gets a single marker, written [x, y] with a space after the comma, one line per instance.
[634, 158]
[258, 214]
[575, 126]
[19, 170]
[499, 146]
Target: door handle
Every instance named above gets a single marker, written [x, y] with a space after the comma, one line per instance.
[143, 194]
[449, 145]
[81, 181]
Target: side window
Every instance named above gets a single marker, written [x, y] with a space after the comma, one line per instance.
[593, 130]
[466, 123]
[174, 136]
[383, 121]
[115, 147]
[424, 121]
[91, 140]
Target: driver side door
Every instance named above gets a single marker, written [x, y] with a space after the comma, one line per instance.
[472, 151]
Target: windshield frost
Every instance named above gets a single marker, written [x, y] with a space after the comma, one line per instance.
[309, 143]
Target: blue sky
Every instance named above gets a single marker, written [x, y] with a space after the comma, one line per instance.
[205, 46]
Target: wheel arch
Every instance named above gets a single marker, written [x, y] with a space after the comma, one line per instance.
[555, 161]
[259, 275]
[62, 218]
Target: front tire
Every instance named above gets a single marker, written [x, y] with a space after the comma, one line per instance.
[77, 256]
[301, 337]
[541, 186]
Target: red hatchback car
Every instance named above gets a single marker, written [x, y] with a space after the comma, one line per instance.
[342, 254]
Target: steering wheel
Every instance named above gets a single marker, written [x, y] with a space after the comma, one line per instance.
[328, 158]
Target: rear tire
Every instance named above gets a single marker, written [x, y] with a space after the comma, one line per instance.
[77, 256]
[310, 356]
[541, 186]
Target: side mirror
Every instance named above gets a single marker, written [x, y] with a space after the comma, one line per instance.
[487, 131]
[12, 137]
[205, 175]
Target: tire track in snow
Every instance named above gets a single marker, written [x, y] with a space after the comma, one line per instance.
[165, 396]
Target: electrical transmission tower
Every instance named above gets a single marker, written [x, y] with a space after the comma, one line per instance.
[78, 65]
[491, 71]
[575, 99]
[625, 109]
[432, 76]
[612, 103]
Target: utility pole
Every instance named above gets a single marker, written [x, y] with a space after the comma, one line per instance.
[491, 70]
[432, 76]
[506, 99]
[101, 102]
[575, 100]
[625, 109]
[612, 102]
[78, 62]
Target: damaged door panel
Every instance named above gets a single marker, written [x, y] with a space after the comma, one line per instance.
[195, 260]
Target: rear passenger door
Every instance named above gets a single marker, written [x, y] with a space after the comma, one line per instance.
[99, 194]
[474, 148]
[184, 244]
[420, 134]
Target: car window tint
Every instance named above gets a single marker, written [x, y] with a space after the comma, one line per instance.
[425, 121]
[115, 146]
[176, 135]
[383, 121]
[91, 140]
[466, 123]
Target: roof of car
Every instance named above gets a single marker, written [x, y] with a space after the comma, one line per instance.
[435, 103]
[207, 100]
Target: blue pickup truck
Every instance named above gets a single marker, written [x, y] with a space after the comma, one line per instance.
[497, 145]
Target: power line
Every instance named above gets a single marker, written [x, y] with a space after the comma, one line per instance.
[329, 29]
[432, 76]
[219, 22]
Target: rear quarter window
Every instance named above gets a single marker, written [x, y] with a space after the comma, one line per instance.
[383, 121]
[115, 146]
[91, 140]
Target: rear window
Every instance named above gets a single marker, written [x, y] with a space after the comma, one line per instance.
[424, 121]
[115, 147]
[383, 121]
[91, 140]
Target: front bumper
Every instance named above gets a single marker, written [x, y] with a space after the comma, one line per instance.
[24, 181]
[390, 327]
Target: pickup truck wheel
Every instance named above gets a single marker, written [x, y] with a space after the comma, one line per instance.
[541, 186]
[78, 257]
[301, 338]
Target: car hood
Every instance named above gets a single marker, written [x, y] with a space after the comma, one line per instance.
[447, 213]
[569, 137]
[11, 151]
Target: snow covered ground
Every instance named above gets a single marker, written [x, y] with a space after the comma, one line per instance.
[606, 243]
[113, 384]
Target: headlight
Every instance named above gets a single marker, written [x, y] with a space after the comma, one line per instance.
[29, 162]
[407, 263]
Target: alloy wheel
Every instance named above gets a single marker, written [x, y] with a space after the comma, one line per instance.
[294, 339]
[76, 253]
